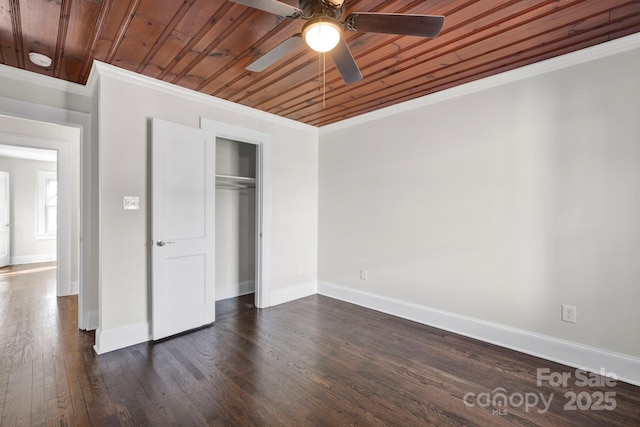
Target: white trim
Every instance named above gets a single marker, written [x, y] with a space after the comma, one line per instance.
[263, 200]
[41, 207]
[592, 53]
[46, 237]
[117, 338]
[32, 259]
[28, 153]
[91, 322]
[292, 293]
[75, 287]
[263, 224]
[42, 80]
[626, 368]
[92, 81]
[172, 89]
[233, 291]
[53, 115]
[64, 234]
[7, 215]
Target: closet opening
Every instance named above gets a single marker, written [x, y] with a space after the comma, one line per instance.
[236, 216]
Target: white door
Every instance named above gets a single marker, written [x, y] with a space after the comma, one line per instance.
[183, 227]
[5, 220]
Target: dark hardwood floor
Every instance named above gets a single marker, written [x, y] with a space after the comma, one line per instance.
[315, 361]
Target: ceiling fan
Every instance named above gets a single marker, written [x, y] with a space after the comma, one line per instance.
[323, 31]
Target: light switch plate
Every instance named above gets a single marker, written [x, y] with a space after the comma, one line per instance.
[131, 202]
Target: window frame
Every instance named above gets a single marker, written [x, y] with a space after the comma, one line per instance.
[42, 232]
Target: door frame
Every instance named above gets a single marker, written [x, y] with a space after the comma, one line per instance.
[88, 317]
[7, 208]
[63, 239]
[262, 141]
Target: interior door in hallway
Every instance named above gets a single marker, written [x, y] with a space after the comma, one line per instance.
[183, 228]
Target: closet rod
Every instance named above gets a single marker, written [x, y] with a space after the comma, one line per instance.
[235, 178]
[235, 186]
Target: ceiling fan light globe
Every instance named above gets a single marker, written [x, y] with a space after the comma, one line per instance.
[322, 35]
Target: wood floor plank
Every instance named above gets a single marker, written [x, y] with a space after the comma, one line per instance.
[17, 406]
[38, 402]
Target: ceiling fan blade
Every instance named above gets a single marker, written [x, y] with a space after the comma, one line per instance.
[272, 6]
[276, 53]
[395, 23]
[345, 63]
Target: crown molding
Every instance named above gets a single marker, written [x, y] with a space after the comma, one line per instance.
[41, 80]
[101, 68]
[588, 54]
[114, 72]
[92, 80]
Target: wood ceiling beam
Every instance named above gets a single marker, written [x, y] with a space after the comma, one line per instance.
[122, 29]
[63, 27]
[200, 36]
[175, 20]
[96, 32]
[16, 26]
[210, 47]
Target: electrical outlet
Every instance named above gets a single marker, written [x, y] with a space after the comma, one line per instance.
[363, 274]
[299, 269]
[569, 313]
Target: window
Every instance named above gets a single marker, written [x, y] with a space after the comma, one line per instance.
[47, 204]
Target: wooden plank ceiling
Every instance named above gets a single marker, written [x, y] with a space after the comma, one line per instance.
[205, 45]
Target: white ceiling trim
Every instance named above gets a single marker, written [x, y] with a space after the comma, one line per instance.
[112, 71]
[42, 80]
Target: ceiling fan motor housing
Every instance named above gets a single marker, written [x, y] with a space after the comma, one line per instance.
[320, 8]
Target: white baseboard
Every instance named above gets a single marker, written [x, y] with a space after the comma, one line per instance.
[117, 338]
[75, 288]
[291, 293]
[233, 291]
[32, 259]
[626, 368]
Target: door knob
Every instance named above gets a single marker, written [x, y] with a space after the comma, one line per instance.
[162, 243]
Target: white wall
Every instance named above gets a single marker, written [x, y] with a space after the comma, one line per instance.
[498, 205]
[25, 247]
[127, 102]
